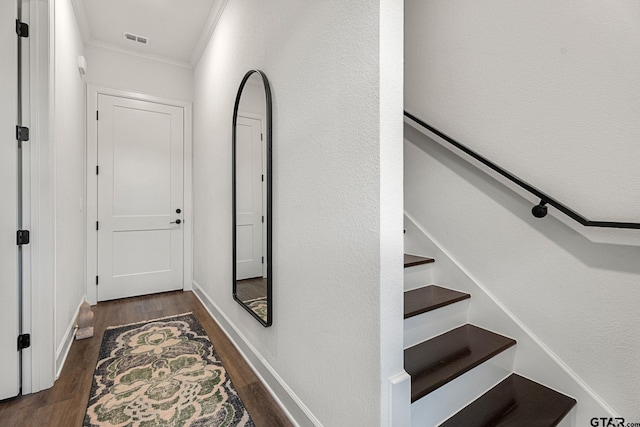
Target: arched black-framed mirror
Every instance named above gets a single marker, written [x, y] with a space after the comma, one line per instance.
[252, 197]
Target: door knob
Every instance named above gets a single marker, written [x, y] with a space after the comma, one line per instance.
[177, 221]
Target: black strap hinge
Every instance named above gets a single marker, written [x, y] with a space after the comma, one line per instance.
[22, 29]
[24, 341]
[22, 133]
[23, 237]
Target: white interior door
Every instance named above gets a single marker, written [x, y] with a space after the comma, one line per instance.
[249, 198]
[140, 197]
[9, 321]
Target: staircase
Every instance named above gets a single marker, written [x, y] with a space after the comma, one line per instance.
[461, 374]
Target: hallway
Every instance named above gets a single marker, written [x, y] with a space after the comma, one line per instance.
[64, 404]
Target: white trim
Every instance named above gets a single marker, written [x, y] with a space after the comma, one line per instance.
[263, 129]
[534, 359]
[207, 31]
[67, 340]
[188, 198]
[400, 400]
[92, 182]
[39, 292]
[290, 403]
[109, 47]
[27, 176]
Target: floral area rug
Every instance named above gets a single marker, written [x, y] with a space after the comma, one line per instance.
[259, 306]
[165, 373]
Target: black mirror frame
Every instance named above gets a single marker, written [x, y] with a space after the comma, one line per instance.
[267, 93]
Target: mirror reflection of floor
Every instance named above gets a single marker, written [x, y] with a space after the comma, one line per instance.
[253, 293]
[250, 289]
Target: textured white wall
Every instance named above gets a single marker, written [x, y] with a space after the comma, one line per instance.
[329, 225]
[69, 147]
[548, 89]
[128, 72]
[579, 297]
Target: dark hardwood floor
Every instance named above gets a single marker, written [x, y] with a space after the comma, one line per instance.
[64, 404]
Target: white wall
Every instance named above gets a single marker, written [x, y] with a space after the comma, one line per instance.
[579, 297]
[117, 70]
[333, 211]
[548, 89]
[68, 140]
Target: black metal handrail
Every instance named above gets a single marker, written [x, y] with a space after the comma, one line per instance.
[539, 210]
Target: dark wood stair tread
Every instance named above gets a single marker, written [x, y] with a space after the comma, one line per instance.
[437, 361]
[413, 260]
[515, 402]
[429, 298]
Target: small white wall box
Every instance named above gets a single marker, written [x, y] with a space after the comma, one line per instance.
[82, 65]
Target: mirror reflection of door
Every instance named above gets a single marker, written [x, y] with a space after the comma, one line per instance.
[249, 212]
[251, 198]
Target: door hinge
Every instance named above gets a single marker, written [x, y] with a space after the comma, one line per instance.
[261, 137]
[97, 169]
[96, 114]
[23, 237]
[263, 260]
[96, 280]
[262, 177]
[22, 133]
[24, 341]
[22, 29]
[97, 225]
[262, 218]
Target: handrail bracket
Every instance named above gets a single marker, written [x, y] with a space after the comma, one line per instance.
[540, 210]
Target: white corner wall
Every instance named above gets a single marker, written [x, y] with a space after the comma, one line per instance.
[547, 89]
[68, 146]
[335, 216]
[578, 297]
[112, 69]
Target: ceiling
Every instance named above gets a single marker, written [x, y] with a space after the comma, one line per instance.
[177, 30]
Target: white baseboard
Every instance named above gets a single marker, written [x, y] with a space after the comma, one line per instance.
[290, 403]
[534, 360]
[63, 349]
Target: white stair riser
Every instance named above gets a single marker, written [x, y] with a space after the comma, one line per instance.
[535, 360]
[441, 404]
[435, 322]
[417, 276]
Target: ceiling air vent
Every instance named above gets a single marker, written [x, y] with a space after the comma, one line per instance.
[136, 38]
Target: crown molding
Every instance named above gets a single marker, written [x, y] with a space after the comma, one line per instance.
[109, 47]
[212, 21]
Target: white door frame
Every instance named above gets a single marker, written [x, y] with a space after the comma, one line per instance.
[263, 129]
[38, 303]
[92, 183]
